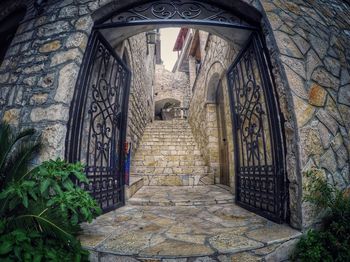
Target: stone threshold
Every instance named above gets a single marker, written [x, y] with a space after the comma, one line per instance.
[181, 196]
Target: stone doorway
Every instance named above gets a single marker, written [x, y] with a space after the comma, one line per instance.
[223, 138]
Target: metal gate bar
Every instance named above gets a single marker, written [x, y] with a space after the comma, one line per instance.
[98, 122]
[259, 162]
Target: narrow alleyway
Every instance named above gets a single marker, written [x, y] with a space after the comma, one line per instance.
[177, 212]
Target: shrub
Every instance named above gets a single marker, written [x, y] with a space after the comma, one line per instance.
[332, 241]
[40, 208]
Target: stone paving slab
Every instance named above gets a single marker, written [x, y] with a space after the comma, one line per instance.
[221, 232]
[181, 195]
[190, 179]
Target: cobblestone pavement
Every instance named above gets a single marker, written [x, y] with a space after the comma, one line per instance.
[205, 232]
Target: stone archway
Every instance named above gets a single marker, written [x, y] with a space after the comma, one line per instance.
[151, 15]
[33, 97]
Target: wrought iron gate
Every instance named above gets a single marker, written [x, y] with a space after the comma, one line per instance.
[97, 124]
[258, 143]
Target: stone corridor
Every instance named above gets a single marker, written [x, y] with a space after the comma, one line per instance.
[175, 213]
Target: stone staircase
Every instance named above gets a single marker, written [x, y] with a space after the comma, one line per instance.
[168, 156]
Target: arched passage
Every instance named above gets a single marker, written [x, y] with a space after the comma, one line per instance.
[230, 26]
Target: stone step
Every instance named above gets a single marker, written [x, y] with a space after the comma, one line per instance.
[167, 128]
[181, 196]
[160, 147]
[167, 143]
[151, 157]
[148, 144]
[158, 153]
[162, 131]
[135, 184]
[169, 170]
[170, 122]
[169, 138]
[186, 127]
[176, 180]
[161, 128]
[168, 135]
[164, 163]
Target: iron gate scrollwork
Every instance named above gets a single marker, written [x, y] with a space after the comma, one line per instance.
[175, 10]
[98, 122]
[258, 142]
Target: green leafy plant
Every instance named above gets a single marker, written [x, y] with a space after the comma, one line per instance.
[40, 208]
[332, 241]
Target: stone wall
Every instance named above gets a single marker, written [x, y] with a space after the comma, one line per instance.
[38, 75]
[171, 85]
[312, 38]
[40, 70]
[219, 54]
[141, 104]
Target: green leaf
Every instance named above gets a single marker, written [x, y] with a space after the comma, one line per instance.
[19, 235]
[33, 195]
[57, 189]
[5, 247]
[51, 202]
[37, 258]
[13, 203]
[68, 184]
[44, 185]
[74, 219]
[25, 200]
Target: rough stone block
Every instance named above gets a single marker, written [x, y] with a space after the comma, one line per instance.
[50, 46]
[65, 56]
[11, 116]
[283, 252]
[317, 95]
[51, 113]
[66, 83]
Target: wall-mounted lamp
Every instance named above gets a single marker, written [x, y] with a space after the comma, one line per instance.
[151, 38]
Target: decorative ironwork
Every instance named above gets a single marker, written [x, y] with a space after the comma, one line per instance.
[176, 10]
[98, 120]
[260, 176]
